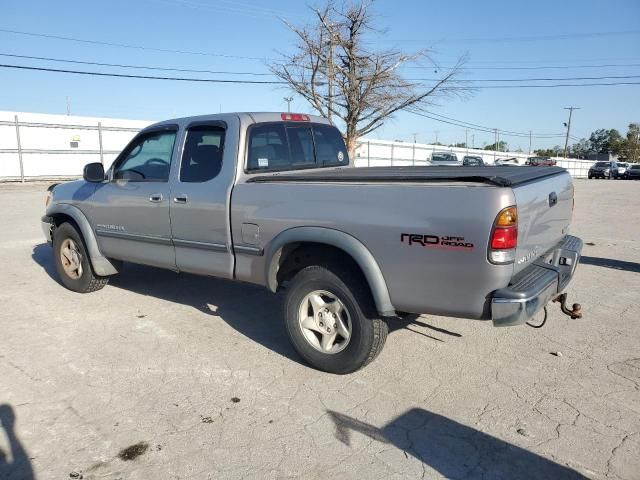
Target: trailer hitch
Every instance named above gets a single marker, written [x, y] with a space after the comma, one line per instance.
[575, 312]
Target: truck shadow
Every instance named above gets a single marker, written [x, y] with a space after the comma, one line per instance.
[611, 263]
[452, 449]
[249, 309]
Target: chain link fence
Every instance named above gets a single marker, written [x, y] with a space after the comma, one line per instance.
[39, 150]
[381, 153]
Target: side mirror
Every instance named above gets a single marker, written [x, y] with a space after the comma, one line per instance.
[93, 172]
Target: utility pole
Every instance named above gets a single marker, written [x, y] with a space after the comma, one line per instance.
[288, 100]
[330, 74]
[436, 132]
[466, 139]
[473, 140]
[529, 142]
[414, 137]
[568, 125]
[495, 143]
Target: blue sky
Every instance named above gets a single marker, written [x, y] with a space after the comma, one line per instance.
[498, 34]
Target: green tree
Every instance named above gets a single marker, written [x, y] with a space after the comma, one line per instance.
[580, 149]
[616, 142]
[606, 141]
[598, 141]
[549, 152]
[502, 146]
[631, 144]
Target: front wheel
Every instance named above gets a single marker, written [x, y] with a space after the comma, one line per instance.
[72, 261]
[331, 319]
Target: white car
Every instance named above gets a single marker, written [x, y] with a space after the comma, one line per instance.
[622, 168]
[507, 161]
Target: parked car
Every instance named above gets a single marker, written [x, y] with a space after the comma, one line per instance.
[472, 161]
[502, 162]
[444, 159]
[622, 168]
[633, 172]
[269, 199]
[540, 161]
[603, 170]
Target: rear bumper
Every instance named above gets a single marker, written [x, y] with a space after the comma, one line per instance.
[46, 223]
[537, 285]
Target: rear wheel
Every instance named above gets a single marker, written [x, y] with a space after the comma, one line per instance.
[331, 319]
[72, 261]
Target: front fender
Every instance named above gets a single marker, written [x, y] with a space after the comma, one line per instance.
[101, 264]
[335, 238]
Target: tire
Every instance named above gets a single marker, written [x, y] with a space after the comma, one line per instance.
[590, 177]
[72, 264]
[346, 293]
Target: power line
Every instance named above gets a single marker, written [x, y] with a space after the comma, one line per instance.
[547, 67]
[460, 124]
[506, 132]
[556, 85]
[124, 45]
[142, 67]
[538, 79]
[234, 7]
[222, 72]
[79, 72]
[526, 38]
[539, 67]
[148, 77]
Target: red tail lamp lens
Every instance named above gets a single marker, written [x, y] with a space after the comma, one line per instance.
[504, 238]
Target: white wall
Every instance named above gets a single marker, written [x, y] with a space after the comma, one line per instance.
[47, 151]
[378, 153]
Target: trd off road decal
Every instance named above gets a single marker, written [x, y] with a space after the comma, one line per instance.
[435, 241]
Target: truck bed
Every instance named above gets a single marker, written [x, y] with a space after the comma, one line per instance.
[509, 176]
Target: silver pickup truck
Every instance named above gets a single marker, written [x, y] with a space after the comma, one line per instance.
[270, 199]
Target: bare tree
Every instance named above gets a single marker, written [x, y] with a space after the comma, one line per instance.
[336, 71]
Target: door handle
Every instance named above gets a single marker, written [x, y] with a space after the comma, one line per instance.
[155, 197]
[180, 198]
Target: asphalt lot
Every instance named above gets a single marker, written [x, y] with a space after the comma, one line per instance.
[171, 376]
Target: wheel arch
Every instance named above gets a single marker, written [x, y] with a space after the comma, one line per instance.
[289, 241]
[64, 212]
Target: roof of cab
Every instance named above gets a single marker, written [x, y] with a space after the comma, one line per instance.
[249, 117]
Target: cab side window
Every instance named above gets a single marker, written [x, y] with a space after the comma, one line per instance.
[148, 159]
[202, 155]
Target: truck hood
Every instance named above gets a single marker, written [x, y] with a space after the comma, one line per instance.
[71, 192]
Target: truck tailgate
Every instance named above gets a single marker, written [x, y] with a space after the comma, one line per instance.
[545, 208]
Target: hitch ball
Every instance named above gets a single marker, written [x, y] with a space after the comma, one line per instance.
[575, 312]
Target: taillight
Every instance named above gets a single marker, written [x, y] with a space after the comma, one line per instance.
[504, 237]
[294, 117]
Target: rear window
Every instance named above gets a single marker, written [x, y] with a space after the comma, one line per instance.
[285, 146]
[602, 164]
